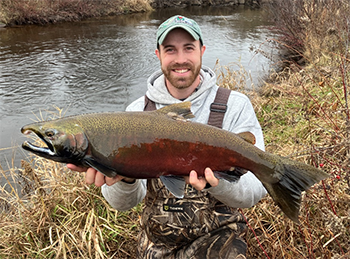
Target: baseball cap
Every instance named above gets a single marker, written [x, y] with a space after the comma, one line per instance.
[179, 21]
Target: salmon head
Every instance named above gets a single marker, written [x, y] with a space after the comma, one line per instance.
[64, 142]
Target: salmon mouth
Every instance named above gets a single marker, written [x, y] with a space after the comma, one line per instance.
[47, 150]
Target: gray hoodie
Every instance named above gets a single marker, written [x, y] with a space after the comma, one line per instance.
[239, 117]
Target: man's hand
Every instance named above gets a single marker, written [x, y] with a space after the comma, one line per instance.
[93, 176]
[199, 183]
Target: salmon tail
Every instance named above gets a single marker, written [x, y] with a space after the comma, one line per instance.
[295, 178]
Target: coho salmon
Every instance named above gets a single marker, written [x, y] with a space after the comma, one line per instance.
[166, 144]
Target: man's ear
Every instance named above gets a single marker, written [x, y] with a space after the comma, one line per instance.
[157, 53]
[203, 49]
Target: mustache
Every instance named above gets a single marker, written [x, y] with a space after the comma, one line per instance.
[182, 65]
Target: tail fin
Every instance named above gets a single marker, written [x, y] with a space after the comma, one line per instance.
[296, 178]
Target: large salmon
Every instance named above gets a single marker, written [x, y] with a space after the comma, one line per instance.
[165, 144]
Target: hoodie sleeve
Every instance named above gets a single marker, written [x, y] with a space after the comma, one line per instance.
[248, 190]
[124, 196]
[244, 193]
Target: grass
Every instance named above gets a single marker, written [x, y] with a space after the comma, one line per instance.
[304, 112]
[58, 216]
[308, 121]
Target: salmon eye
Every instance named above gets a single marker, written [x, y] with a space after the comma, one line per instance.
[50, 132]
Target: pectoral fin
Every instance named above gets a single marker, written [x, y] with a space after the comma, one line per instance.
[107, 171]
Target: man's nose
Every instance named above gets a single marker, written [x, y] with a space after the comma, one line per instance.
[181, 57]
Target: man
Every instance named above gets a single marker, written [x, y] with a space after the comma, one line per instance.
[205, 223]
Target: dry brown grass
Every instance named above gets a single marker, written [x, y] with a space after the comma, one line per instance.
[308, 122]
[57, 216]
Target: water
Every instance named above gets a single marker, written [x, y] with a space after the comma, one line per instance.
[103, 64]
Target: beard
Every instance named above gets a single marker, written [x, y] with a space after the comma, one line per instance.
[178, 81]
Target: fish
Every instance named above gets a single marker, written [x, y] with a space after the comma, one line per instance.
[166, 144]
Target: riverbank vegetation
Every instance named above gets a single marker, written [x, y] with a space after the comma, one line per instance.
[304, 112]
[19, 12]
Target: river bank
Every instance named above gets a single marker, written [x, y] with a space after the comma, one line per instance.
[21, 12]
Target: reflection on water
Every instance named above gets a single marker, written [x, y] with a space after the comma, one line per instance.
[102, 64]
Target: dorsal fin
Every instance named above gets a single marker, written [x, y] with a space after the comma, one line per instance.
[179, 111]
[247, 136]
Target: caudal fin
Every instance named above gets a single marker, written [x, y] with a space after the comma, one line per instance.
[296, 178]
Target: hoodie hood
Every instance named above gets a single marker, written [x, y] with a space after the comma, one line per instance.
[158, 92]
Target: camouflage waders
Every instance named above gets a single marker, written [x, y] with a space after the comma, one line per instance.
[197, 226]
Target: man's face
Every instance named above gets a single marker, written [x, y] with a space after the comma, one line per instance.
[181, 59]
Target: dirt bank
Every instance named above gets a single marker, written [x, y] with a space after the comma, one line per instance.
[21, 12]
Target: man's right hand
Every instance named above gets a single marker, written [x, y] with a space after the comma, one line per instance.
[93, 176]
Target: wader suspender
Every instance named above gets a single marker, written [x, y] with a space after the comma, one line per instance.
[217, 108]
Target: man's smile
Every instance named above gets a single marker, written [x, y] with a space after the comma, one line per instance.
[181, 71]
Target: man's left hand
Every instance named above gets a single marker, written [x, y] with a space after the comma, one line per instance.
[199, 183]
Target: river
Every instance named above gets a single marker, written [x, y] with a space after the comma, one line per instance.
[103, 64]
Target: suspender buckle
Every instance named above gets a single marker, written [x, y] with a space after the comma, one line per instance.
[218, 107]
